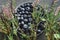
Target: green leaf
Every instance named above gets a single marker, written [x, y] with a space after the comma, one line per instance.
[57, 36]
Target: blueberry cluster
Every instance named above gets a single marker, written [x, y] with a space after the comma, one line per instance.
[40, 27]
[24, 16]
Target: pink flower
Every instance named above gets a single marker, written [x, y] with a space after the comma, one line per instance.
[57, 11]
[7, 12]
[35, 3]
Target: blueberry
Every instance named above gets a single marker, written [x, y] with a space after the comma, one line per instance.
[28, 8]
[21, 18]
[17, 15]
[29, 15]
[22, 6]
[22, 22]
[30, 19]
[39, 31]
[26, 12]
[19, 30]
[20, 12]
[26, 20]
[25, 15]
[23, 9]
[25, 4]
[18, 18]
[25, 26]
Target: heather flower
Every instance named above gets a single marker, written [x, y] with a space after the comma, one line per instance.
[35, 3]
[57, 10]
[7, 12]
